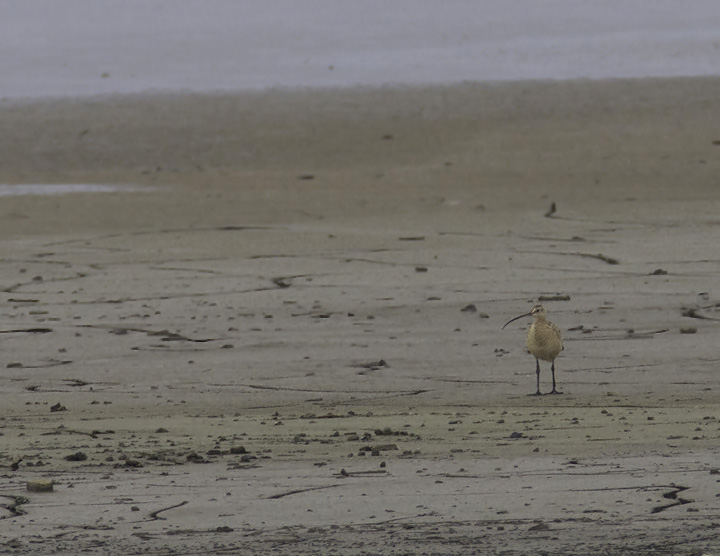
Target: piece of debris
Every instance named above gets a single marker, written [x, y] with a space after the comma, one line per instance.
[600, 257]
[554, 298]
[39, 485]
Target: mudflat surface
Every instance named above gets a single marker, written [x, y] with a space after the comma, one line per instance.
[287, 341]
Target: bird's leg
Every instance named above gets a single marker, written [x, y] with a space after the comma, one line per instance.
[553, 375]
[537, 373]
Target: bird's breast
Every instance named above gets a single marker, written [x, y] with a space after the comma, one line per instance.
[544, 342]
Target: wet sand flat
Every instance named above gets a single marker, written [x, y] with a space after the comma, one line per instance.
[285, 339]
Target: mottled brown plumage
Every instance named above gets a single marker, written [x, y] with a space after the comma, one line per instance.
[544, 341]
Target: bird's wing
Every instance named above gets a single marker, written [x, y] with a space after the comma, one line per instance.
[557, 331]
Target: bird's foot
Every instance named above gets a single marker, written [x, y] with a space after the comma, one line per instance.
[555, 392]
[536, 394]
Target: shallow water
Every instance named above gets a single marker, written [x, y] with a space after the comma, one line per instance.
[63, 188]
[84, 47]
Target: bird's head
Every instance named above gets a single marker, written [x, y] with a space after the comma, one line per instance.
[538, 312]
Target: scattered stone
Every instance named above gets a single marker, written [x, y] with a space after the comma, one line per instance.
[58, 407]
[554, 298]
[469, 309]
[688, 330]
[40, 485]
[382, 448]
[658, 272]
[373, 365]
[194, 457]
[539, 527]
[77, 456]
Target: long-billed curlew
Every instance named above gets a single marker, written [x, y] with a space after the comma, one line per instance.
[543, 342]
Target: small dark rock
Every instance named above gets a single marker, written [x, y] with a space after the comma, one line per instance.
[558, 297]
[194, 457]
[77, 456]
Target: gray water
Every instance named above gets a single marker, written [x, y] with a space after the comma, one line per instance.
[86, 47]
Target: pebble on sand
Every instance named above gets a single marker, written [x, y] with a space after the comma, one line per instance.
[40, 485]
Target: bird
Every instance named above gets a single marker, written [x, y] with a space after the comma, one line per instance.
[544, 341]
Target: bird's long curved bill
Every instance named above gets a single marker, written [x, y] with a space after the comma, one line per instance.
[516, 318]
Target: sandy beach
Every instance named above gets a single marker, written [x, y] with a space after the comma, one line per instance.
[285, 336]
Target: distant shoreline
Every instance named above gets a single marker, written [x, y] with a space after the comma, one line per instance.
[50, 140]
